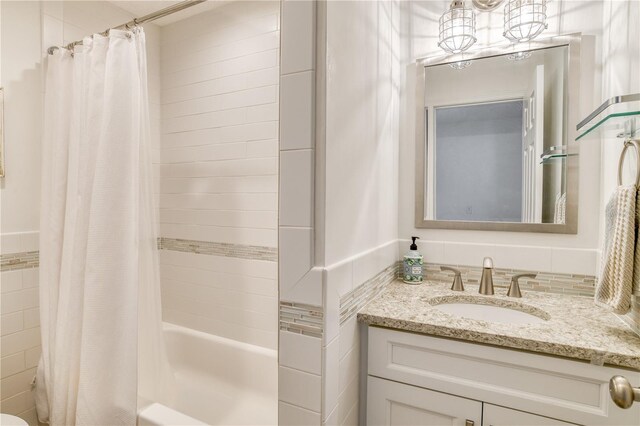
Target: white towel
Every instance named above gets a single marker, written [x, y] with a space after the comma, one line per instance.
[619, 251]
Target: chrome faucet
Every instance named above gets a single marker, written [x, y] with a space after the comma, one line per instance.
[486, 282]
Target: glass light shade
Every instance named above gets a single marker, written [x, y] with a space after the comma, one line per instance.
[457, 28]
[460, 65]
[524, 20]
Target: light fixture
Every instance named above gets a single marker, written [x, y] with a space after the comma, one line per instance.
[524, 20]
[457, 28]
[519, 56]
[486, 5]
[460, 65]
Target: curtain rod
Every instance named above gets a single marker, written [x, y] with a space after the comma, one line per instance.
[137, 21]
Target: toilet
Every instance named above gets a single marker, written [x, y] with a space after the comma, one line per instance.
[9, 420]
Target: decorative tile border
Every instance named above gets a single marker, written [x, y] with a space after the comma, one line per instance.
[356, 299]
[15, 261]
[548, 282]
[302, 319]
[219, 249]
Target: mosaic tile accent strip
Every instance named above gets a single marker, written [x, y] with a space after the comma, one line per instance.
[301, 319]
[356, 299]
[15, 261]
[219, 249]
[547, 282]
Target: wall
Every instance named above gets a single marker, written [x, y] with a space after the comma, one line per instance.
[338, 186]
[621, 61]
[37, 25]
[219, 171]
[544, 252]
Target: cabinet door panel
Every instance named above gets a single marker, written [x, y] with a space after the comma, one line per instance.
[395, 404]
[494, 415]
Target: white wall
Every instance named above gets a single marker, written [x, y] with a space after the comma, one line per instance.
[545, 252]
[621, 62]
[361, 153]
[219, 168]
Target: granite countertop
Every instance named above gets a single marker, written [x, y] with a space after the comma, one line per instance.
[574, 326]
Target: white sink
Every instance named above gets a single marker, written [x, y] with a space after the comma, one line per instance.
[488, 313]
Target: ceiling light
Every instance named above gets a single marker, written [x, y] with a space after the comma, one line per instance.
[524, 20]
[457, 28]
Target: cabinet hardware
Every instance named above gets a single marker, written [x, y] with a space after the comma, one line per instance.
[622, 393]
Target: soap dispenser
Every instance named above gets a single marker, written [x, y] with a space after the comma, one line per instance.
[412, 264]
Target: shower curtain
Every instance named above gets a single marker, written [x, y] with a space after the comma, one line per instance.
[100, 310]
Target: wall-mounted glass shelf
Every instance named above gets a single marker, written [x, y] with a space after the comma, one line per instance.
[617, 117]
[554, 154]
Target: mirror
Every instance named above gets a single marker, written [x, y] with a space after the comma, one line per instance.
[495, 148]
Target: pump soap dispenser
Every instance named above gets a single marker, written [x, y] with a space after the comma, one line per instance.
[412, 263]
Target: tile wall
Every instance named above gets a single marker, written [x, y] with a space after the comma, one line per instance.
[19, 324]
[219, 171]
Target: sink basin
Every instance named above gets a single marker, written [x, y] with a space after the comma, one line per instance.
[490, 313]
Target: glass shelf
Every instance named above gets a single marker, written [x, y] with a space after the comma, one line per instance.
[554, 154]
[617, 117]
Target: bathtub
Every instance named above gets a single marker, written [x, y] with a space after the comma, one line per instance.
[219, 382]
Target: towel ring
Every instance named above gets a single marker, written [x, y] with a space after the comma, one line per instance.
[636, 145]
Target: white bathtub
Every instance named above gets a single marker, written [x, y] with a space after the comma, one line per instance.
[219, 382]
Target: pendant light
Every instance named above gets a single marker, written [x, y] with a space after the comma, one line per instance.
[524, 20]
[457, 28]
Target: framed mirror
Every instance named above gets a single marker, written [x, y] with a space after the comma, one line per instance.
[495, 139]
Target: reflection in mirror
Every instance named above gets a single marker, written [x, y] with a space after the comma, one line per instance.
[495, 139]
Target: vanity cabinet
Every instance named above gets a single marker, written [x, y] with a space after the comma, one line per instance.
[418, 379]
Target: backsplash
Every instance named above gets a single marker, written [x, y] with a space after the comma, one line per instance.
[548, 282]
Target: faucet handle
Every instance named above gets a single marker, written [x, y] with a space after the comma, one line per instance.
[457, 278]
[514, 287]
[487, 263]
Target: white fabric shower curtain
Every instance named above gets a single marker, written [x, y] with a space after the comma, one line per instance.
[100, 309]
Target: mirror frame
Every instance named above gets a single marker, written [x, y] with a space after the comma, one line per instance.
[572, 41]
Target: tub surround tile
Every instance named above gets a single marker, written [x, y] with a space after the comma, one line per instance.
[16, 261]
[576, 328]
[291, 415]
[298, 36]
[302, 319]
[299, 388]
[300, 351]
[241, 251]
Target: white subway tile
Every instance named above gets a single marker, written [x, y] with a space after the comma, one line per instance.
[299, 388]
[12, 364]
[291, 415]
[246, 167]
[300, 352]
[32, 356]
[11, 323]
[297, 111]
[433, 251]
[31, 317]
[574, 261]
[296, 188]
[218, 152]
[208, 120]
[298, 36]
[30, 277]
[10, 281]
[18, 404]
[20, 382]
[349, 367]
[467, 253]
[295, 257]
[349, 336]
[330, 377]
[263, 148]
[20, 341]
[10, 243]
[522, 257]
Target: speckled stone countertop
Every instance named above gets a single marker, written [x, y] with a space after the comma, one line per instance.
[574, 328]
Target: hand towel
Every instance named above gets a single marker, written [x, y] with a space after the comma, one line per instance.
[619, 251]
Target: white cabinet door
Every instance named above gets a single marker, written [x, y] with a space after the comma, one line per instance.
[500, 416]
[394, 404]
